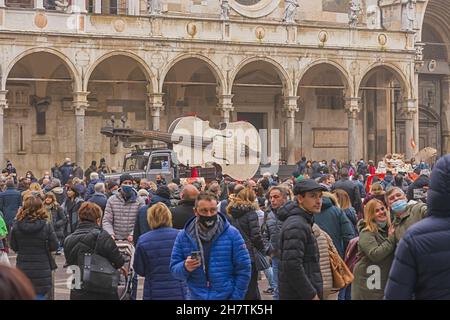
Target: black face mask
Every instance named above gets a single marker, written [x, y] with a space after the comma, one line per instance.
[208, 222]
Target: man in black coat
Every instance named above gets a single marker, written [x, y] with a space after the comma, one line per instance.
[299, 274]
[185, 209]
[351, 188]
[417, 190]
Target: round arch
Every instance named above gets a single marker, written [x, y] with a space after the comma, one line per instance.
[401, 77]
[145, 67]
[210, 64]
[284, 76]
[342, 72]
[67, 62]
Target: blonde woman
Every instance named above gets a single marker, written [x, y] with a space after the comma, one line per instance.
[376, 247]
[152, 258]
[242, 212]
[34, 188]
[346, 206]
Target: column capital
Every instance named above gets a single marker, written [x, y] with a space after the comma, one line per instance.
[225, 106]
[155, 102]
[80, 102]
[446, 79]
[290, 106]
[225, 103]
[409, 107]
[3, 101]
[352, 106]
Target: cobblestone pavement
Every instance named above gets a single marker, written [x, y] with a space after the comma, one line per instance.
[63, 293]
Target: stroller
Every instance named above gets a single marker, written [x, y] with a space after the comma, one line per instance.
[125, 283]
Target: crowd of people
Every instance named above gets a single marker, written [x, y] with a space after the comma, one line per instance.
[197, 240]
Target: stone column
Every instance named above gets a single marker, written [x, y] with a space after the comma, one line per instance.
[290, 107]
[445, 115]
[39, 4]
[409, 111]
[155, 106]
[98, 6]
[225, 106]
[80, 6]
[352, 109]
[2, 4]
[134, 7]
[3, 106]
[80, 105]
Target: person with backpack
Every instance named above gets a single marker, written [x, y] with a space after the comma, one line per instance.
[89, 237]
[376, 248]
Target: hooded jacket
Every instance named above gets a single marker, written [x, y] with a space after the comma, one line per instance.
[335, 223]
[299, 273]
[245, 219]
[422, 260]
[120, 215]
[33, 241]
[376, 249]
[229, 264]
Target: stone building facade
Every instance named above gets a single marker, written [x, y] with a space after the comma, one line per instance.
[337, 80]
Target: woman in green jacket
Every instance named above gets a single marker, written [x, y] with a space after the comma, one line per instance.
[376, 247]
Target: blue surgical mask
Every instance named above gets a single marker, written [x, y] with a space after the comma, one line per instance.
[382, 225]
[399, 206]
[127, 189]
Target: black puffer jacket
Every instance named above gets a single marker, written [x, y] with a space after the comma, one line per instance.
[421, 181]
[59, 220]
[82, 241]
[245, 219]
[352, 190]
[182, 213]
[33, 241]
[299, 274]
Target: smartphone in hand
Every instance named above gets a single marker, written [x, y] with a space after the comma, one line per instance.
[195, 255]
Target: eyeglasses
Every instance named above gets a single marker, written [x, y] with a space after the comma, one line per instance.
[383, 209]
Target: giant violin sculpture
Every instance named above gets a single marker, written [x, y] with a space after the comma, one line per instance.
[236, 147]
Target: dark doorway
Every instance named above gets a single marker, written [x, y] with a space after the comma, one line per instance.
[258, 120]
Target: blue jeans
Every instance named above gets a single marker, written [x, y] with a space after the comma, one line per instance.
[134, 287]
[275, 263]
[269, 275]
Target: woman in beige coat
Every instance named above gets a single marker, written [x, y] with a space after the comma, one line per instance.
[329, 293]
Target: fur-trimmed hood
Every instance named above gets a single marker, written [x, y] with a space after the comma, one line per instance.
[237, 208]
[329, 200]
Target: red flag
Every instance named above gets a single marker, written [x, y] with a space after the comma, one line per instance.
[194, 173]
[413, 143]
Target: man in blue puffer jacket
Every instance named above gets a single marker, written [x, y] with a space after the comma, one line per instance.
[422, 261]
[221, 269]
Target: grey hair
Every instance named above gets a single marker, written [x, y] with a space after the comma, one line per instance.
[99, 187]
